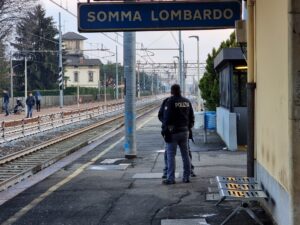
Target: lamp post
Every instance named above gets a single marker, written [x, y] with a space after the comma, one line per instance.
[78, 92]
[105, 89]
[117, 74]
[138, 80]
[198, 70]
[152, 81]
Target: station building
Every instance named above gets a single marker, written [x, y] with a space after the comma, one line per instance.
[79, 70]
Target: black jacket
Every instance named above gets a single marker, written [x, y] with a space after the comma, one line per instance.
[5, 98]
[178, 114]
[161, 110]
[30, 101]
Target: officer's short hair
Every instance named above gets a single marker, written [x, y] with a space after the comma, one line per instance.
[175, 90]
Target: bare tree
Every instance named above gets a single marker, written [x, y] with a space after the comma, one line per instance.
[12, 11]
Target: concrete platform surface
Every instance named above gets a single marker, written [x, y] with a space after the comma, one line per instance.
[81, 194]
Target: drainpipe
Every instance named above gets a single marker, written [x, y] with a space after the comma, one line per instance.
[294, 113]
[251, 85]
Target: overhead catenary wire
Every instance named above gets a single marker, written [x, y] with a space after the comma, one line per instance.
[104, 34]
[174, 38]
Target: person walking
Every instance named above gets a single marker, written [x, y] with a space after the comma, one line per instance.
[38, 99]
[161, 117]
[5, 102]
[30, 103]
[178, 119]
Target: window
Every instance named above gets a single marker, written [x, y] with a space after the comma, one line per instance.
[76, 77]
[224, 87]
[239, 90]
[91, 76]
[77, 45]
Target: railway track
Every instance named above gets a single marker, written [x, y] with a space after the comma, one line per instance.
[17, 129]
[18, 166]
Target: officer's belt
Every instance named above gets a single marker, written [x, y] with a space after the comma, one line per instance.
[179, 129]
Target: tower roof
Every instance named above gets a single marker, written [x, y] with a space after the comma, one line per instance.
[73, 36]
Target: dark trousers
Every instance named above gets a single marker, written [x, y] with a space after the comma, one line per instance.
[165, 171]
[38, 105]
[6, 108]
[180, 139]
[29, 111]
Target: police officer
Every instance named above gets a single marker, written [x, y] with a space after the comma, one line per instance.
[178, 118]
[161, 117]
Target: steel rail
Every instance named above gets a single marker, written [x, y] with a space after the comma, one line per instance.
[12, 130]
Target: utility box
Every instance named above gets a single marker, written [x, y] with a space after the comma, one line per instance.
[241, 31]
[199, 120]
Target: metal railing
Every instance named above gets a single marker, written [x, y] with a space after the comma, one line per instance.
[12, 130]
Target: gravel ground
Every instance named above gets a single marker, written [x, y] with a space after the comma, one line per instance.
[36, 139]
[32, 140]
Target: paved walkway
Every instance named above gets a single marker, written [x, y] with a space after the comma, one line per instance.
[95, 189]
[50, 110]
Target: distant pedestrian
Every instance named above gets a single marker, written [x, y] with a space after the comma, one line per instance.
[178, 119]
[38, 99]
[30, 103]
[5, 102]
[19, 107]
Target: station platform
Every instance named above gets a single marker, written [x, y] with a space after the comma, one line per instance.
[97, 185]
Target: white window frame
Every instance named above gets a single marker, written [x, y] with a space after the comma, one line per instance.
[91, 75]
[76, 73]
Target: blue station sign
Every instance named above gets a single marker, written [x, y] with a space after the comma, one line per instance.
[143, 16]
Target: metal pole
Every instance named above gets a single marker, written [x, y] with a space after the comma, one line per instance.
[99, 84]
[157, 86]
[183, 72]
[152, 80]
[194, 86]
[180, 62]
[250, 88]
[78, 92]
[176, 75]
[130, 110]
[11, 81]
[138, 82]
[25, 72]
[104, 88]
[198, 73]
[117, 75]
[60, 76]
[144, 80]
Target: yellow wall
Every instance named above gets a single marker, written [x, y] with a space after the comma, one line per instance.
[272, 131]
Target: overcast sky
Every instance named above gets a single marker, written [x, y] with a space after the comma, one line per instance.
[150, 39]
